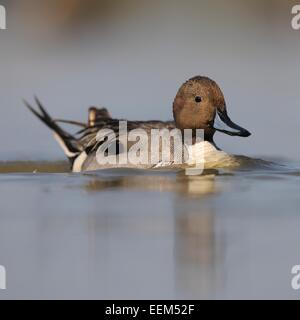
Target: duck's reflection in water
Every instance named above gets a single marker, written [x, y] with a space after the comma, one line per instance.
[195, 252]
[193, 186]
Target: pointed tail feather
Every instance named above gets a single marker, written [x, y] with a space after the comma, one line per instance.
[68, 143]
[71, 122]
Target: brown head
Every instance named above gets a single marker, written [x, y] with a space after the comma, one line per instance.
[200, 104]
[96, 114]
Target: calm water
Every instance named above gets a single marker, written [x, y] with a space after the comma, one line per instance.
[132, 234]
[137, 234]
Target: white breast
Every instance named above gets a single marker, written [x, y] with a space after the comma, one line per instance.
[206, 154]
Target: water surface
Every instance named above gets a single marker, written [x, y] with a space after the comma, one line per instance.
[229, 233]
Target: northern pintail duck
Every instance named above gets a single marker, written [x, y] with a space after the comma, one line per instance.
[199, 104]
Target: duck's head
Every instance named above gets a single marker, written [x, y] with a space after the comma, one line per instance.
[200, 104]
[96, 114]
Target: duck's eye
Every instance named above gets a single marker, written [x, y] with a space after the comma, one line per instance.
[198, 99]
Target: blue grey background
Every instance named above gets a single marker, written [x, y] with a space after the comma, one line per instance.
[233, 233]
[131, 56]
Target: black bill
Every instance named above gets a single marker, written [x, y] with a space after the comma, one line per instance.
[224, 124]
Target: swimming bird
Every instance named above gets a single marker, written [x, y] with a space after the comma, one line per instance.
[198, 104]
